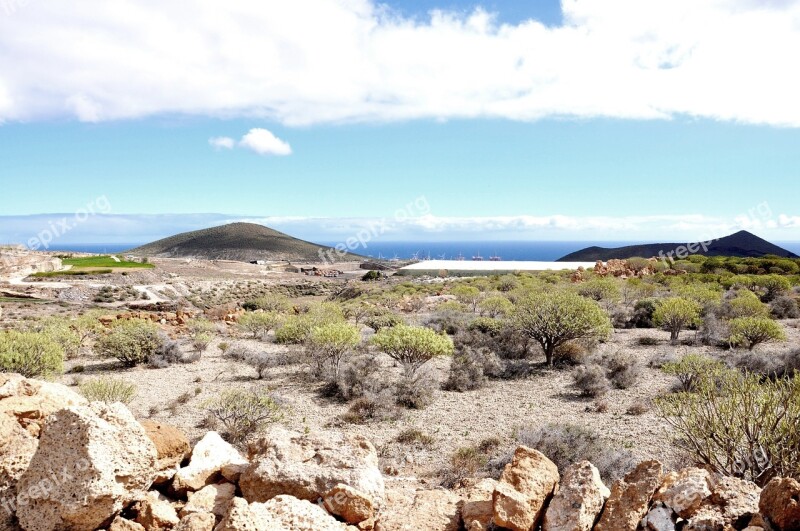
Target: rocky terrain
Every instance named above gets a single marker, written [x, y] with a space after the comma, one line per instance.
[69, 464]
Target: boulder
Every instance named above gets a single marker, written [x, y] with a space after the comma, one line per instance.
[122, 524]
[209, 457]
[735, 499]
[477, 509]
[534, 476]
[307, 466]
[780, 503]
[412, 510]
[659, 518]
[630, 497]
[31, 401]
[213, 499]
[92, 461]
[578, 500]
[684, 491]
[280, 513]
[349, 504]
[156, 514]
[512, 509]
[197, 522]
[17, 447]
[172, 448]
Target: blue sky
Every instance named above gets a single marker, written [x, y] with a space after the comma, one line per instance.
[491, 112]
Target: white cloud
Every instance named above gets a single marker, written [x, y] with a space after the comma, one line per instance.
[264, 142]
[222, 142]
[354, 60]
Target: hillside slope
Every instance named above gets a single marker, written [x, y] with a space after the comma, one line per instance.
[236, 241]
[740, 244]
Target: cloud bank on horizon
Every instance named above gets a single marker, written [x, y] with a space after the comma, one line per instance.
[328, 61]
[142, 228]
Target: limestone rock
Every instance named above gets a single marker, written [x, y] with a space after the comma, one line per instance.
[659, 518]
[579, 499]
[512, 509]
[349, 504]
[432, 510]
[210, 499]
[31, 401]
[17, 447]
[92, 461]
[307, 466]
[209, 456]
[736, 499]
[780, 503]
[172, 448]
[477, 509]
[157, 515]
[281, 513]
[684, 491]
[122, 524]
[197, 522]
[533, 475]
[630, 498]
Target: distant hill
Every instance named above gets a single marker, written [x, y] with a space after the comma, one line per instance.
[237, 241]
[740, 244]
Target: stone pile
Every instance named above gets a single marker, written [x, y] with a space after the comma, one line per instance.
[69, 465]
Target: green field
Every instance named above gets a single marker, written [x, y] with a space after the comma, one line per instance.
[72, 272]
[103, 261]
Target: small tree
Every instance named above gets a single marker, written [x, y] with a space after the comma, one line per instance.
[329, 344]
[258, 323]
[676, 313]
[751, 331]
[551, 318]
[132, 342]
[773, 286]
[412, 346]
[468, 295]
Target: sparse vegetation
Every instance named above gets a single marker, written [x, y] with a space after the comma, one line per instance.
[240, 414]
[30, 354]
[132, 342]
[108, 390]
[412, 346]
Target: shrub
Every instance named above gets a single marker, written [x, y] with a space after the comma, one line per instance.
[784, 307]
[371, 275]
[241, 413]
[570, 353]
[132, 342]
[767, 364]
[565, 444]
[449, 318]
[647, 341]
[260, 361]
[30, 354]
[295, 328]
[496, 306]
[676, 313]
[600, 289]
[752, 331]
[269, 303]
[468, 460]
[643, 313]
[372, 407]
[412, 346]
[486, 325]
[108, 390]
[414, 391]
[416, 438]
[467, 370]
[468, 295]
[623, 370]
[201, 341]
[62, 332]
[383, 320]
[552, 318]
[167, 353]
[772, 285]
[692, 368]
[739, 425]
[359, 377]
[326, 346]
[637, 408]
[744, 304]
[258, 323]
[591, 380]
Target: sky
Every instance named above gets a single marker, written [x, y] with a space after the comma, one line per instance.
[621, 120]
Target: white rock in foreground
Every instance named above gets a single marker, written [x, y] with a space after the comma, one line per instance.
[210, 455]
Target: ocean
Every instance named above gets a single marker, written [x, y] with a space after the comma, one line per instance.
[507, 250]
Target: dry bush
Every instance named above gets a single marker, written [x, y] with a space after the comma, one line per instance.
[768, 364]
[784, 307]
[415, 438]
[638, 408]
[414, 391]
[372, 407]
[359, 377]
[623, 370]
[648, 341]
[591, 380]
[239, 414]
[565, 444]
[108, 390]
[470, 369]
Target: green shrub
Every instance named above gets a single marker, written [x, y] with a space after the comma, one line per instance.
[269, 303]
[676, 313]
[692, 368]
[739, 424]
[751, 331]
[384, 320]
[240, 414]
[295, 329]
[600, 289]
[467, 295]
[30, 354]
[108, 390]
[772, 285]
[552, 318]
[496, 306]
[258, 323]
[132, 342]
[328, 344]
[371, 276]
[412, 346]
[486, 325]
[745, 304]
[61, 331]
